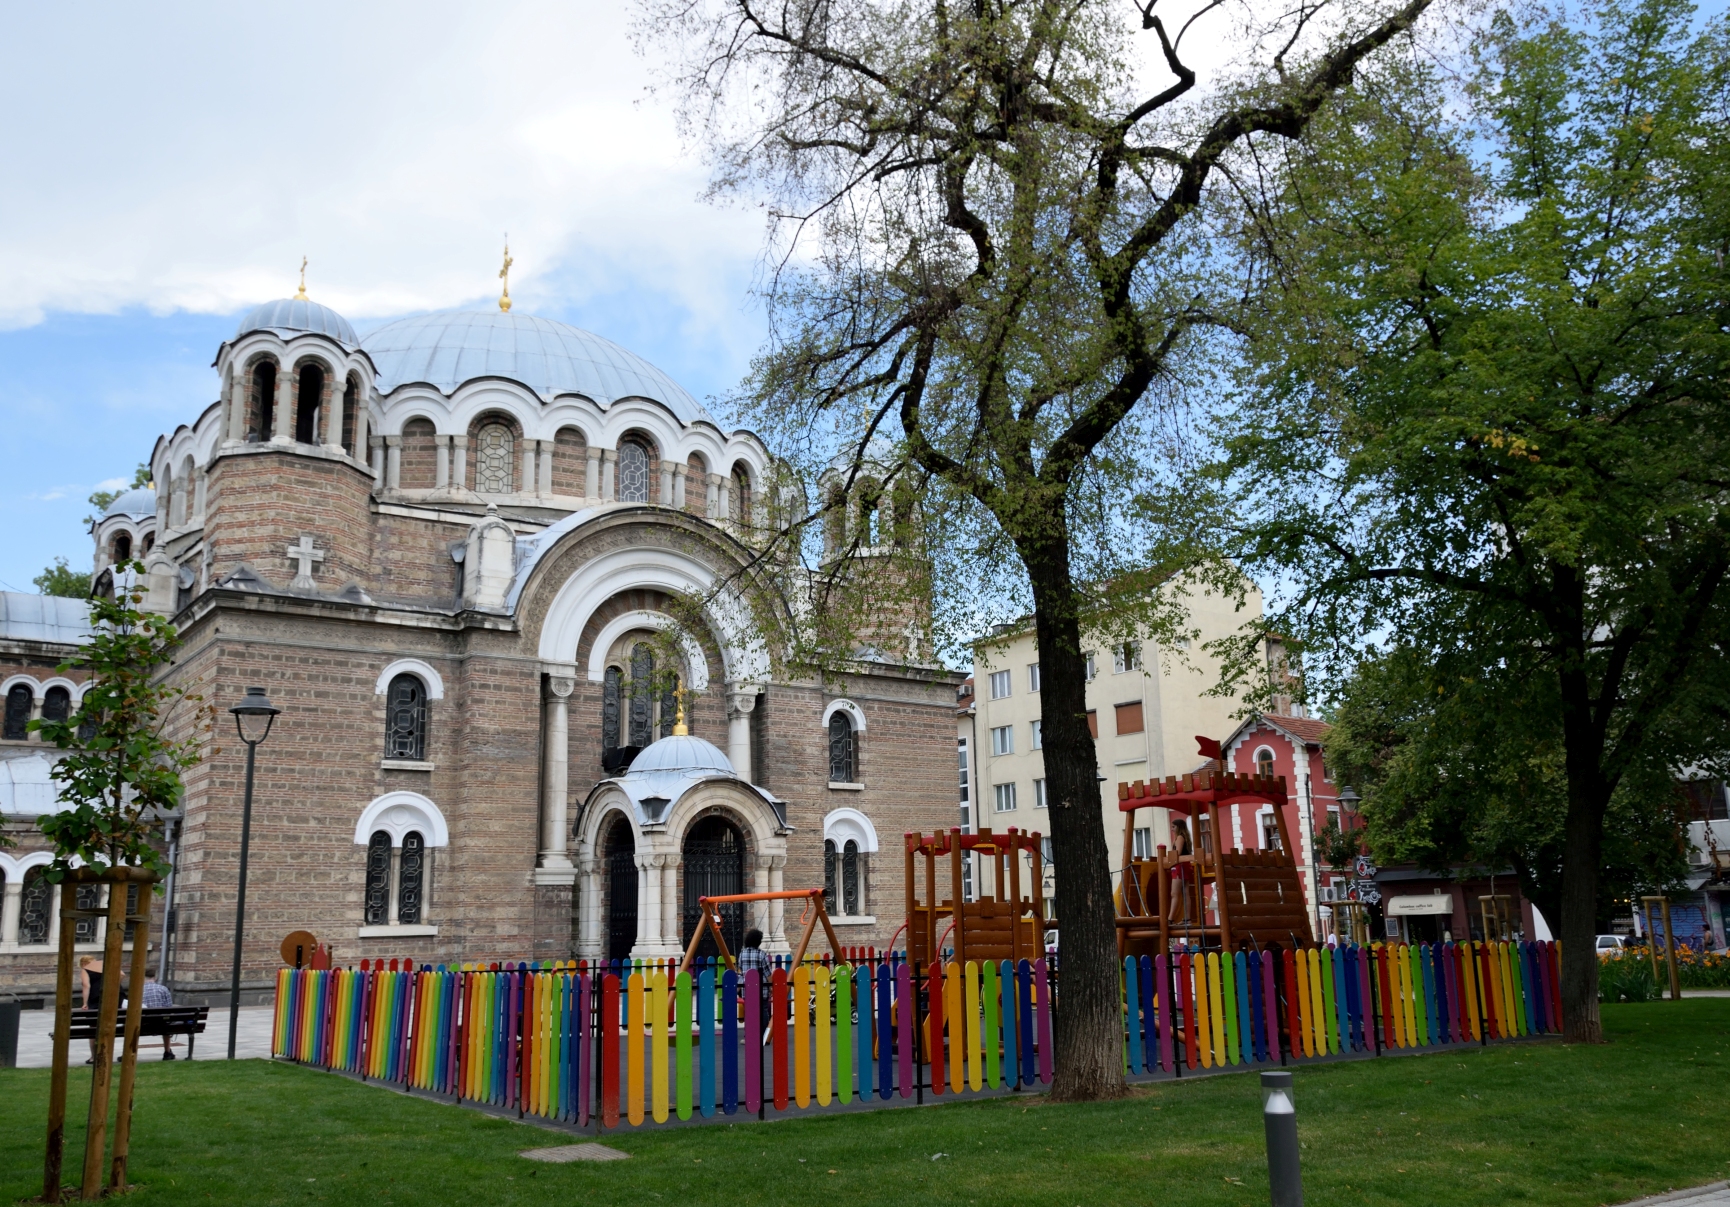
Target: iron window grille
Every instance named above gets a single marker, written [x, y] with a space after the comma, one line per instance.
[405, 719]
[378, 879]
[411, 879]
[842, 750]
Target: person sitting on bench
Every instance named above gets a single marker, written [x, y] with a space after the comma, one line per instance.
[157, 997]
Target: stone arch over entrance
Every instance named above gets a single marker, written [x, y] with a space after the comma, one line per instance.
[620, 880]
[713, 861]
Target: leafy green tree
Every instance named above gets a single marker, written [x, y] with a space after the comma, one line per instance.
[122, 770]
[983, 276]
[61, 579]
[1486, 419]
[1447, 780]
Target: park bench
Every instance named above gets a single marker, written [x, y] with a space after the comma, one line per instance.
[165, 1020]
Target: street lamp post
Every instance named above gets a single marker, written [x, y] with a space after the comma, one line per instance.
[253, 717]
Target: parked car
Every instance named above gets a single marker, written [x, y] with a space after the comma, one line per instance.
[1611, 943]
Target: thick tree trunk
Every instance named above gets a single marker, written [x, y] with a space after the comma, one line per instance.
[1089, 1055]
[1582, 849]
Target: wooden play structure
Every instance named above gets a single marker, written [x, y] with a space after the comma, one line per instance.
[1000, 925]
[1209, 897]
[712, 924]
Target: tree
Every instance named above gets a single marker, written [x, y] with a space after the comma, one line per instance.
[1447, 780]
[1486, 419]
[61, 579]
[987, 269]
[121, 772]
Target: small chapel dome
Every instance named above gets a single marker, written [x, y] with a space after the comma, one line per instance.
[450, 347]
[139, 503]
[295, 316]
[681, 753]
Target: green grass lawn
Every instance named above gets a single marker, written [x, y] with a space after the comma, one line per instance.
[1533, 1123]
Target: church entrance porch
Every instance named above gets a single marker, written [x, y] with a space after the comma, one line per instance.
[621, 891]
[714, 866]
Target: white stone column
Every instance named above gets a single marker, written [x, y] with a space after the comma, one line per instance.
[362, 435]
[544, 482]
[776, 939]
[592, 474]
[670, 905]
[460, 461]
[739, 706]
[333, 414]
[760, 884]
[282, 417]
[609, 473]
[54, 892]
[11, 909]
[665, 498]
[712, 498]
[589, 910]
[393, 463]
[198, 493]
[442, 445]
[723, 499]
[555, 865]
[236, 403]
[680, 472]
[527, 485]
[648, 904]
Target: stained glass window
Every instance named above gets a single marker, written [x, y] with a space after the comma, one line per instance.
[642, 702]
[829, 859]
[378, 879]
[405, 719]
[56, 704]
[610, 711]
[841, 748]
[18, 702]
[493, 448]
[34, 916]
[633, 472]
[411, 876]
[850, 878]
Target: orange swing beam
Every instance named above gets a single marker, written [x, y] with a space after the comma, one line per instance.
[813, 913]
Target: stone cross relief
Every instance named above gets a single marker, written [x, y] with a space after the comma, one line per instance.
[307, 558]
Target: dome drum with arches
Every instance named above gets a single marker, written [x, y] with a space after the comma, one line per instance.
[298, 316]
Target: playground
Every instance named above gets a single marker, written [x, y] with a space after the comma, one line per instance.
[1535, 1122]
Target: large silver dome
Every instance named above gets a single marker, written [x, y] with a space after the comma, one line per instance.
[449, 347]
[681, 753]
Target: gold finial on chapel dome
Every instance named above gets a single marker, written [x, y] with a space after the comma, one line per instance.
[505, 276]
[680, 730]
[301, 295]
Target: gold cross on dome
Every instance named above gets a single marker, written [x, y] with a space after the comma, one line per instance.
[301, 296]
[505, 276]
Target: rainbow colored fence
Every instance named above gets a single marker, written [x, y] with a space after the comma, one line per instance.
[634, 1042]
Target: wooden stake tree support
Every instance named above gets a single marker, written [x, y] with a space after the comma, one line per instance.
[1162, 898]
[120, 881]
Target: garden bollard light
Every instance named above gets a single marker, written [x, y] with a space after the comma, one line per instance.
[1285, 1181]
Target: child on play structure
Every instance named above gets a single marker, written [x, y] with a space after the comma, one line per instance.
[751, 955]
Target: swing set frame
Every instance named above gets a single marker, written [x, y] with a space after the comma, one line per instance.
[711, 923]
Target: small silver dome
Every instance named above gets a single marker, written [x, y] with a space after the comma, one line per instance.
[681, 753]
[137, 503]
[293, 316]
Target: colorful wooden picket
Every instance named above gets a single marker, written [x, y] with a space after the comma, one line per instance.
[646, 1041]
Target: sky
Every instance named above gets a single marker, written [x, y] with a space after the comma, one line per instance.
[168, 166]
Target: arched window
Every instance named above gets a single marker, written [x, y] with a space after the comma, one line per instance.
[88, 897]
[741, 495]
[56, 704]
[642, 701]
[34, 911]
[697, 485]
[306, 404]
[18, 701]
[411, 875]
[610, 717]
[850, 879]
[261, 411]
[494, 448]
[1264, 762]
[831, 860]
[122, 547]
[378, 861]
[350, 400]
[405, 719]
[149, 541]
[843, 749]
[633, 472]
[570, 462]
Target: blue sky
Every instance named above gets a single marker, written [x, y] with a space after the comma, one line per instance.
[208, 147]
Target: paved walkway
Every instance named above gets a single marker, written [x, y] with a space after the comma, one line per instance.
[36, 1047]
[1715, 1195]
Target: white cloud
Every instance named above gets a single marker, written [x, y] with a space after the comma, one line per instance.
[185, 157]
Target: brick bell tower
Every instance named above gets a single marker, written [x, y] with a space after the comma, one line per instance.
[289, 490]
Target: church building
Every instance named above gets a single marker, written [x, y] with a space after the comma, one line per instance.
[511, 587]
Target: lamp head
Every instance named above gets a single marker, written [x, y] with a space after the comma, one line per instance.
[1348, 796]
[254, 715]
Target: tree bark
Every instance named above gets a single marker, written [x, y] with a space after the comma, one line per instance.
[1089, 1056]
[1582, 838]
